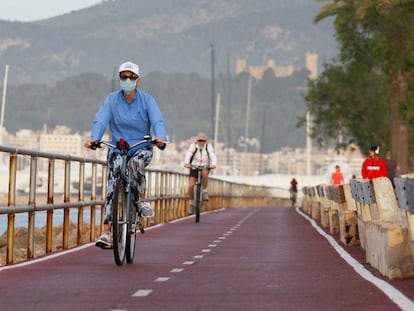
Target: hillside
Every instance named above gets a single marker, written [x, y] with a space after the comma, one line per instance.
[163, 35]
[61, 68]
[185, 100]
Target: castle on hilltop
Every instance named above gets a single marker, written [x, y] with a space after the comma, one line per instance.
[280, 71]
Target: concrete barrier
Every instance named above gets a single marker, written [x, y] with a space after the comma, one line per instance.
[361, 192]
[404, 188]
[388, 249]
[348, 220]
[367, 213]
[388, 246]
[324, 205]
[306, 198]
[336, 198]
[316, 205]
[312, 200]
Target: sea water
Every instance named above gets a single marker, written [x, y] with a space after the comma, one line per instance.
[21, 219]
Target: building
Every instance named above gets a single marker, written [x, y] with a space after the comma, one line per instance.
[257, 71]
[312, 65]
[291, 161]
[60, 140]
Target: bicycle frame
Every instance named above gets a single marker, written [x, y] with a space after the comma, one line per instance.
[126, 215]
[198, 190]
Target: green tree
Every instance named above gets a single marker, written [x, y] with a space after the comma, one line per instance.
[377, 36]
[346, 108]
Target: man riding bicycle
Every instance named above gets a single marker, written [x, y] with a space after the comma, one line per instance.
[131, 114]
[199, 153]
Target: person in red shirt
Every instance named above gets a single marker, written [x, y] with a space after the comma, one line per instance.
[337, 177]
[373, 166]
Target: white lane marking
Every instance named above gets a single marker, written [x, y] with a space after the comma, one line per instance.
[142, 293]
[390, 291]
[206, 250]
[198, 256]
[217, 241]
[222, 238]
[188, 262]
[81, 247]
[177, 270]
[212, 245]
[162, 279]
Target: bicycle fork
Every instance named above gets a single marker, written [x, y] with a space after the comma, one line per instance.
[134, 206]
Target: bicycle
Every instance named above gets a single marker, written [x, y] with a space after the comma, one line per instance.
[293, 196]
[198, 191]
[126, 212]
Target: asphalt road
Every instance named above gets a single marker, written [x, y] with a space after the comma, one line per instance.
[235, 259]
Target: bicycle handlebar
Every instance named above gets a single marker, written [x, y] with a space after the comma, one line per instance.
[199, 167]
[122, 144]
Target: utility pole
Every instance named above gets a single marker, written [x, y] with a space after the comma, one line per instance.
[217, 120]
[228, 111]
[312, 66]
[246, 130]
[308, 143]
[213, 91]
[3, 102]
[262, 140]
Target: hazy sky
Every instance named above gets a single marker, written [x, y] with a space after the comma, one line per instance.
[31, 10]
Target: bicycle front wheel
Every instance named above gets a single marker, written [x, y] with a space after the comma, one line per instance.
[198, 202]
[119, 221]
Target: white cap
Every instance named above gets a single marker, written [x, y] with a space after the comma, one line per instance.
[129, 66]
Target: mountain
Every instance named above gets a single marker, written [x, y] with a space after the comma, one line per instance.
[62, 68]
[164, 35]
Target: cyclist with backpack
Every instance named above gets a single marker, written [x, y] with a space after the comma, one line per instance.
[199, 153]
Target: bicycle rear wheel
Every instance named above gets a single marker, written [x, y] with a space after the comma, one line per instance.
[132, 229]
[198, 202]
[119, 221]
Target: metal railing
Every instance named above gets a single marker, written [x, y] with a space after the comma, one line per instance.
[61, 200]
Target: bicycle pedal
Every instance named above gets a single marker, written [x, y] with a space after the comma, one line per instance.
[142, 231]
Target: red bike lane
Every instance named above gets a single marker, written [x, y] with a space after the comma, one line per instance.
[236, 259]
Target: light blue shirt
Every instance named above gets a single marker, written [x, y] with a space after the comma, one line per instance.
[129, 121]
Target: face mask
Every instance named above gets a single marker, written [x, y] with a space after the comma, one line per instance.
[127, 86]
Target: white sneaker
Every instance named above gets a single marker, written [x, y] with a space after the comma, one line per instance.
[205, 195]
[146, 209]
[192, 208]
[105, 240]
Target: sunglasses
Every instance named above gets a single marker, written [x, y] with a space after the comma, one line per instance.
[202, 140]
[130, 77]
